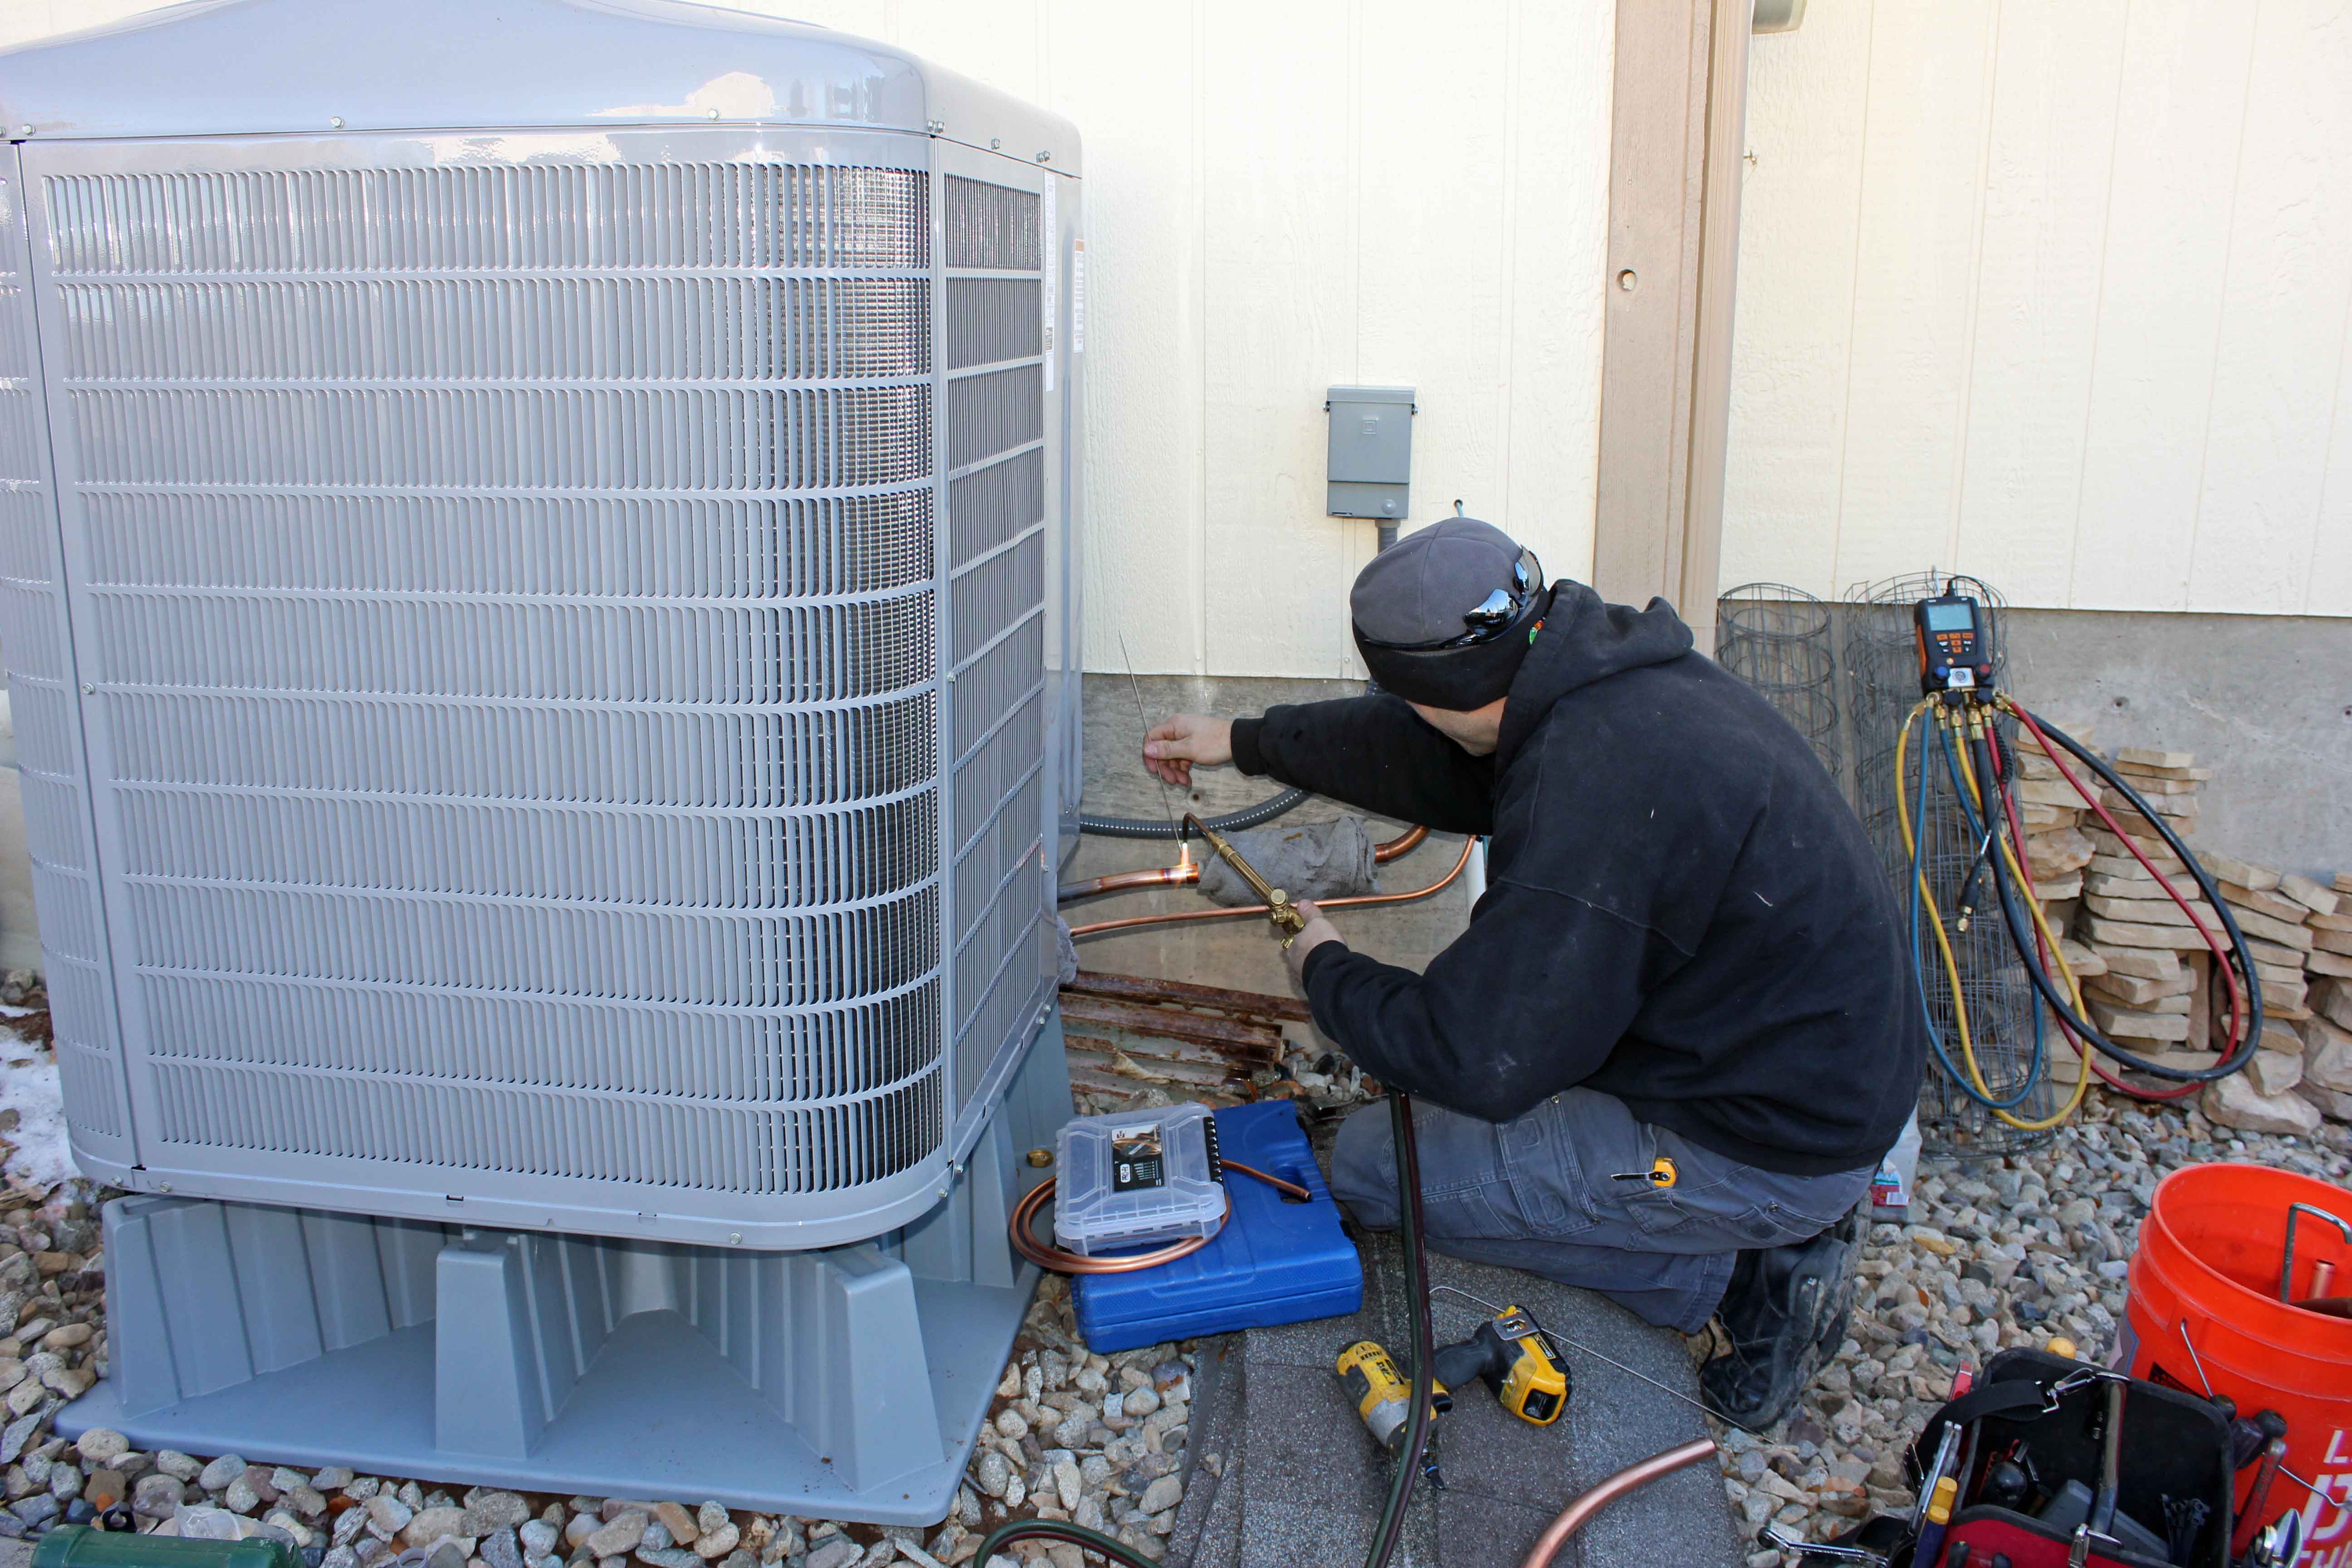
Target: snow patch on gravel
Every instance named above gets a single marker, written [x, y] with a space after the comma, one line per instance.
[30, 1087]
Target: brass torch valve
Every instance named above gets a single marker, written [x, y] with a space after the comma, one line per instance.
[1278, 907]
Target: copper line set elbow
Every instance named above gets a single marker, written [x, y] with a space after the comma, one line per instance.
[1632, 1478]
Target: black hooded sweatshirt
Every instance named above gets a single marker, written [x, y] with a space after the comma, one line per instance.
[1680, 909]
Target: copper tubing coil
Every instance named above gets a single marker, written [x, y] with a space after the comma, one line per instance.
[1190, 871]
[1357, 901]
[1632, 1478]
[1026, 1243]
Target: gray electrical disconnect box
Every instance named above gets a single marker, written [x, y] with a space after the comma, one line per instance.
[1371, 451]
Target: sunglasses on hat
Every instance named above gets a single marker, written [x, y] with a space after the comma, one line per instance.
[1492, 616]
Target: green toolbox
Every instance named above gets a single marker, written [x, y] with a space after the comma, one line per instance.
[79, 1546]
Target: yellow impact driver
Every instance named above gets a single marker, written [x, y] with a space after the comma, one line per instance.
[1510, 1354]
[1383, 1398]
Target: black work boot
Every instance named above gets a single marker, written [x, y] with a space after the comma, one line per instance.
[1785, 1314]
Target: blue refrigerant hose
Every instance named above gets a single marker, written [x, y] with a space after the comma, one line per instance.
[1919, 969]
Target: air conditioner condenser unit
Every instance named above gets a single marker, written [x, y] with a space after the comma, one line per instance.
[538, 582]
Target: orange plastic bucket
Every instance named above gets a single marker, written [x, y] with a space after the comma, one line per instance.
[2203, 1310]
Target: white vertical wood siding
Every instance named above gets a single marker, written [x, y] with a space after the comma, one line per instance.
[1280, 197]
[2054, 293]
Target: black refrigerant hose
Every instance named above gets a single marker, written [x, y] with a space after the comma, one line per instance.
[1422, 1350]
[2018, 936]
[1390, 1528]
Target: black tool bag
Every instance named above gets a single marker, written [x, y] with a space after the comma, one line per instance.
[2032, 1433]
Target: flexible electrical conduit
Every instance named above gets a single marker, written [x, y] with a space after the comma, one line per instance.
[1265, 810]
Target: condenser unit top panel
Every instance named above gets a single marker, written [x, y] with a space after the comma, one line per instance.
[301, 67]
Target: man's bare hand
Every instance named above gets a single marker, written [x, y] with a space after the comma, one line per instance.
[1319, 932]
[1175, 744]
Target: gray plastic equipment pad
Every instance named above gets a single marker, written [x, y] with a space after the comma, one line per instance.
[843, 1384]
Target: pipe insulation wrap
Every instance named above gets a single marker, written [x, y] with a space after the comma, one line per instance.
[1331, 859]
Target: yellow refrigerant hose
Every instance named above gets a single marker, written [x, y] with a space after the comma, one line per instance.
[1944, 944]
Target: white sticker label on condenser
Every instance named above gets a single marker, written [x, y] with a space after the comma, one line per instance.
[1049, 291]
[1077, 296]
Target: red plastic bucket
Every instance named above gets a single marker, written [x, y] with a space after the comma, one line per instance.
[2204, 1309]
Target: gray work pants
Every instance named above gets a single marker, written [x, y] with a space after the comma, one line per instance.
[1540, 1194]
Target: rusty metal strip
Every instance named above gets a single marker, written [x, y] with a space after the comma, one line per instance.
[1135, 988]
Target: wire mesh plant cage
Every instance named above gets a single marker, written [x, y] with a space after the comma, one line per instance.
[1781, 640]
[1881, 659]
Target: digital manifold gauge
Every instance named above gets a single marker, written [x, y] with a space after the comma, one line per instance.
[1955, 655]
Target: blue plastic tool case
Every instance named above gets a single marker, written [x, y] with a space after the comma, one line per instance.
[1276, 1261]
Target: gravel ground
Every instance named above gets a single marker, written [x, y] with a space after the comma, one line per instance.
[2002, 1252]
[1070, 1436]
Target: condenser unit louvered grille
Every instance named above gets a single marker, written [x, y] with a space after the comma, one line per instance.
[507, 328]
[993, 225]
[486, 216]
[994, 435]
[58, 827]
[563, 658]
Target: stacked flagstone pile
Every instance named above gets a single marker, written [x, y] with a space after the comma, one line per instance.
[2327, 1032]
[2273, 911]
[2152, 998]
[2051, 813]
[2151, 984]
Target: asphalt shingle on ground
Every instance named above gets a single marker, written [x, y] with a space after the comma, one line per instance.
[1302, 1483]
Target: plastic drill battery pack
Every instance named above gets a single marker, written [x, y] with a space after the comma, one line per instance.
[1137, 1178]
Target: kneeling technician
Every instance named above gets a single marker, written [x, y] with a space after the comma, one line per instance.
[1679, 1033]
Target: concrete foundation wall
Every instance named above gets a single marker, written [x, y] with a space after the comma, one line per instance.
[2264, 700]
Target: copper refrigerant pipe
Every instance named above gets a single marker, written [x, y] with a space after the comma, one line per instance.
[1357, 901]
[1190, 871]
[1632, 1478]
[1025, 1242]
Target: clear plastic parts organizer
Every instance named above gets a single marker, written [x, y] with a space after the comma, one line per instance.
[1137, 1178]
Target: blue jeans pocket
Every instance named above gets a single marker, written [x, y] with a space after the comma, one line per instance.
[1711, 1207]
[1544, 1170]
